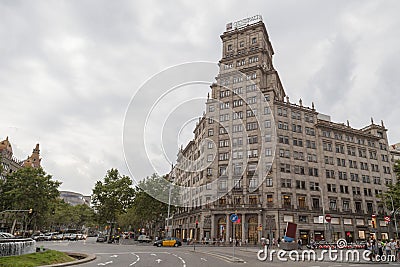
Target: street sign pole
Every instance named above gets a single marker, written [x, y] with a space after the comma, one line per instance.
[233, 219]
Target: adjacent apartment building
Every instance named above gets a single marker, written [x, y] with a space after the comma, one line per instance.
[10, 163]
[271, 161]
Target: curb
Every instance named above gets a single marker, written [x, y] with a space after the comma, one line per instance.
[87, 258]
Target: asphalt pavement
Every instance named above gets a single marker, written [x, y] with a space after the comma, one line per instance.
[185, 256]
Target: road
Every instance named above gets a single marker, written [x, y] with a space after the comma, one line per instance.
[138, 255]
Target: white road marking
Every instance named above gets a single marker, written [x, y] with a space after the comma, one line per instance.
[158, 260]
[114, 256]
[203, 259]
[105, 263]
[152, 254]
[136, 261]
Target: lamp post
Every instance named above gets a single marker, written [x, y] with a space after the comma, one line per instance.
[394, 214]
[323, 208]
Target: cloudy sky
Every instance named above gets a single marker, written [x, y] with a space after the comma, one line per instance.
[68, 69]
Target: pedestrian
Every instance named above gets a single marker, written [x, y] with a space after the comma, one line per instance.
[392, 247]
[278, 241]
[380, 250]
[267, 243]
[299, 243]
[387, 248]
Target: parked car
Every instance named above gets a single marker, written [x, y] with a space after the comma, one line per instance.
[6, 235]
[168, 242]
[38, 237]
[144, 239]
[50, 236]
[70, 237]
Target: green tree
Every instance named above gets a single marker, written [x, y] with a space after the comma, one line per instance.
[393, 192]
[113, 196]
[30, 188]
[146, 211]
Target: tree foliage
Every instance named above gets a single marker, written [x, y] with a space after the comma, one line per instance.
[146, 211]
[113, 196]
[393, 192]
[29, 188]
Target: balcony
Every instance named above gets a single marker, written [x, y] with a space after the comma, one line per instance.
[317, 208]
[288, 207]
[302, 208]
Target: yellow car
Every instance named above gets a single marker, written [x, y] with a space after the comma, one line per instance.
[168, 242]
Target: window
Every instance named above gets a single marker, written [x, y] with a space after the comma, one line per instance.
[237, 154]
[268, 182]
[252, 153]
[286, 183]
[299, 170]
[224, 156]
[311, 131]
[301, 202]
[252, 100]
[344, 189]
[298, 155]
[267, 110]
[287, 200]
[238, 115]
[252, 139]
[253, 183]
[327, 146]
[330, 173]
[296, 115]
[332, 204]
[251, 126]
[303, 218]
[270, 200]
[342, 175]
[310, 144]
[331, 188]
[224, 105]
[268, 124]
[211, 108]
[283, 139]
[314, 186]
[222, 184]
[253, 59]
[300, 184]
[210, 132]
[298, 142]
[268, 138]
[224, 117]
[253, 200]
[223, 130]
[237, 128]
[268, 152]
[237, 142]
[210, 157]
[346, 205]
[282, 112]
[285, 167]
[237, 183]
[237, 103]
[254, 40]
[315, 203]
[313, 172]
[229, 47]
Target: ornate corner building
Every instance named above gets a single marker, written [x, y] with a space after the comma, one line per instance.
[272, 161]
[11, 164]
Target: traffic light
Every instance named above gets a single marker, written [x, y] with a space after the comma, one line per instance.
[373, 221]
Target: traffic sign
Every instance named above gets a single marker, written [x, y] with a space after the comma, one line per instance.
[233, 217]
[328, 217]
[387, 219]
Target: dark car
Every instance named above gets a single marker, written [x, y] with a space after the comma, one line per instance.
[168, 242]
[101, 238]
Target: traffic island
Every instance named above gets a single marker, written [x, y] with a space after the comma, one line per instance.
[48, 258]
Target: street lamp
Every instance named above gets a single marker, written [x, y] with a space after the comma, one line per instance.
[323, 207]
[394, 215]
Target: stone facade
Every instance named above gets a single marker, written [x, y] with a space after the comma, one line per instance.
[11, 164]
[272, 161]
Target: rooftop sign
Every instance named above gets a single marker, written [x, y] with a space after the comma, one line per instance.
[243, 23]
